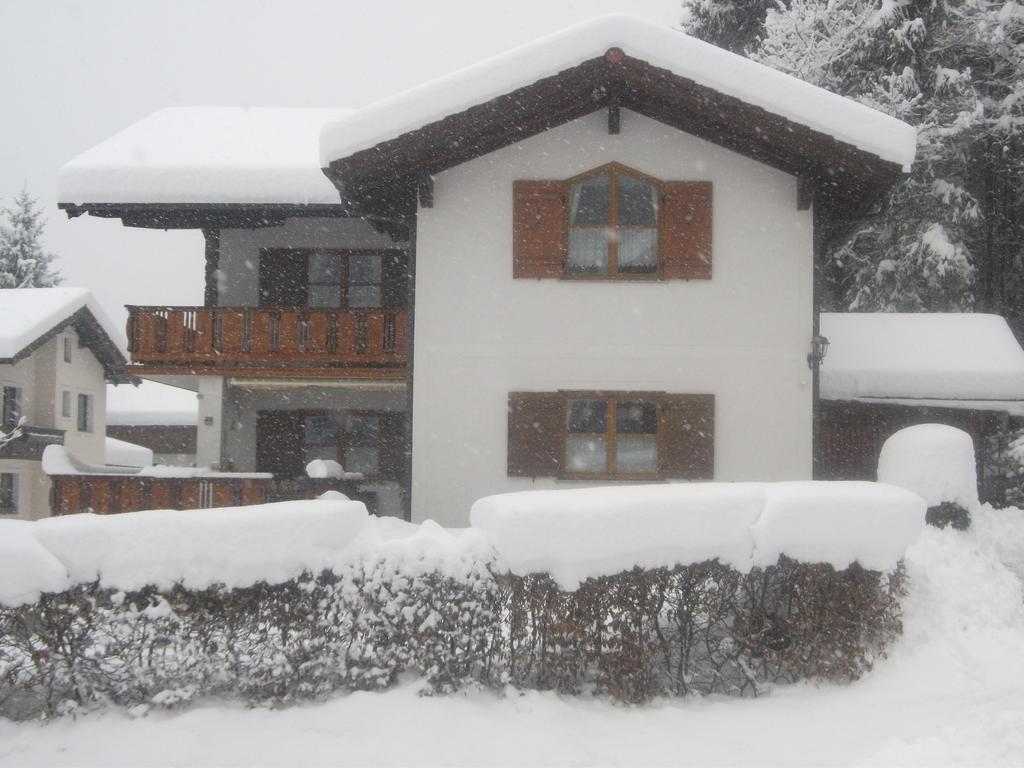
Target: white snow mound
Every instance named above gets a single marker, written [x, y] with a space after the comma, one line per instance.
[934, 461]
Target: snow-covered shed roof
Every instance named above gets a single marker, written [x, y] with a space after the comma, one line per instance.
[151, 403]
[959, 360]
[206, 155]
[850, 151]
[121, 453]
[29, 317]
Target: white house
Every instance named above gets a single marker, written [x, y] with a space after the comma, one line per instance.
[590, 259]
[57, 351]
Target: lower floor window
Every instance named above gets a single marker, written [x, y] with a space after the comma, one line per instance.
[611, 436]
[362, 443]
[8, 493]
[85, 413]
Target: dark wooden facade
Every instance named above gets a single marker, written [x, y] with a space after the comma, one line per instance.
[852, 435]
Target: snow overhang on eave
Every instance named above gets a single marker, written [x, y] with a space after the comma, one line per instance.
[849, 152]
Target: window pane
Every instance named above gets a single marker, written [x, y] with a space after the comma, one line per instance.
[636, 453]
[588, 201]
[325, 295]
[638, 251]
[67, 349]
[8, 492]
[85, 413]
[65, 404]
[362, 430]
[638, 202]
[364, 268]
[364, 296]
[321, 430]
[11, 407]
[311, 452]
[587, 416]
[324, 268]
[365, 460]
[636, 417]
[586, 453]
[588, 251]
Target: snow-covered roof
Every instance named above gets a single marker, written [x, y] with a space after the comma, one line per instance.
[151, 403]
[705, 64]
[27, 314]
[948, 358]
[206, 155]
[121, 453]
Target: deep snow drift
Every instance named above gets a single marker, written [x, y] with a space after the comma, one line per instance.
[950, 693]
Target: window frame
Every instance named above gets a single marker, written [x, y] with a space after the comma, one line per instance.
[11, 409]
[15, 494]
[386, 302]
[614, 170]
[612, 399]
[379, 415]
[67, 351]
[65, 404]
[89, 412]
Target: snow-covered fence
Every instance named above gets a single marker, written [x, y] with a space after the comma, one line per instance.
[631, 592]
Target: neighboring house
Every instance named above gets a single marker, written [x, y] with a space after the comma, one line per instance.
[157, 416]
[57, 351]
[587, 260]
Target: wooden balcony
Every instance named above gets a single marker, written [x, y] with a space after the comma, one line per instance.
[257, 341]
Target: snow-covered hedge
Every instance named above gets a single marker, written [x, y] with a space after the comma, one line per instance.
[665, 591]
[936, 462]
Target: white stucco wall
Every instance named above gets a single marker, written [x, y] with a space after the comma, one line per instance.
[238, 284]
[743, 335]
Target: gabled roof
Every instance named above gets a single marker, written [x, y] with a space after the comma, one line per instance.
[29, 317]
[954, 358]
[850, 149]
[205, 155]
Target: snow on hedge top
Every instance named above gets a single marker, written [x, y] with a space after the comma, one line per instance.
[151, 403]
[921, 356]
[587, 533]
[28, 313]
[720, 70]
[206, 155]
[935, 461]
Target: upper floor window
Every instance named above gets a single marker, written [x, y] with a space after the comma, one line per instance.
[613, 225]
[612, 222]
[12, 408]
[333, 279]
[67, 349]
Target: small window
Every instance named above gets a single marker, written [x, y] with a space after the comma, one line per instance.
[67, 349]
[65, 404]
[11, 408]
[8, 493]
[85, 415]
[615, 437]
[363, 285]
[325, 280]
[362, 443]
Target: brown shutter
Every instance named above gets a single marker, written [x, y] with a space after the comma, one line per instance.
[536, 434]
[539, 229]
[686, 230]
[687, 436]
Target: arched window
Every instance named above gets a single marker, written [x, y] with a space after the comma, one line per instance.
[613, 224]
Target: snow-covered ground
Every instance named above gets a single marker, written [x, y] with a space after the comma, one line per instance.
[950, 693]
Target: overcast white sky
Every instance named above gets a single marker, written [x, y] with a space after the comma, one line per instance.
[76, 72]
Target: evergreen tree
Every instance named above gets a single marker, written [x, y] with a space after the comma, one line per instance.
[23, 262]
[953, 69]
[735, 25]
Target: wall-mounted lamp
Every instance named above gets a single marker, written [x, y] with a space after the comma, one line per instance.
[819, 348]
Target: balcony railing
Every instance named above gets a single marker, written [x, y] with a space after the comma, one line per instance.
[254, 338]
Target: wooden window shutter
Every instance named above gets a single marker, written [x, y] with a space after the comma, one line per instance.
[539, 229]
[685, 230]
[687, 436]
[536, 434]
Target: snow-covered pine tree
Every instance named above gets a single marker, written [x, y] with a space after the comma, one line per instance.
[735, 25]
[23, 262]
[951, 68]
